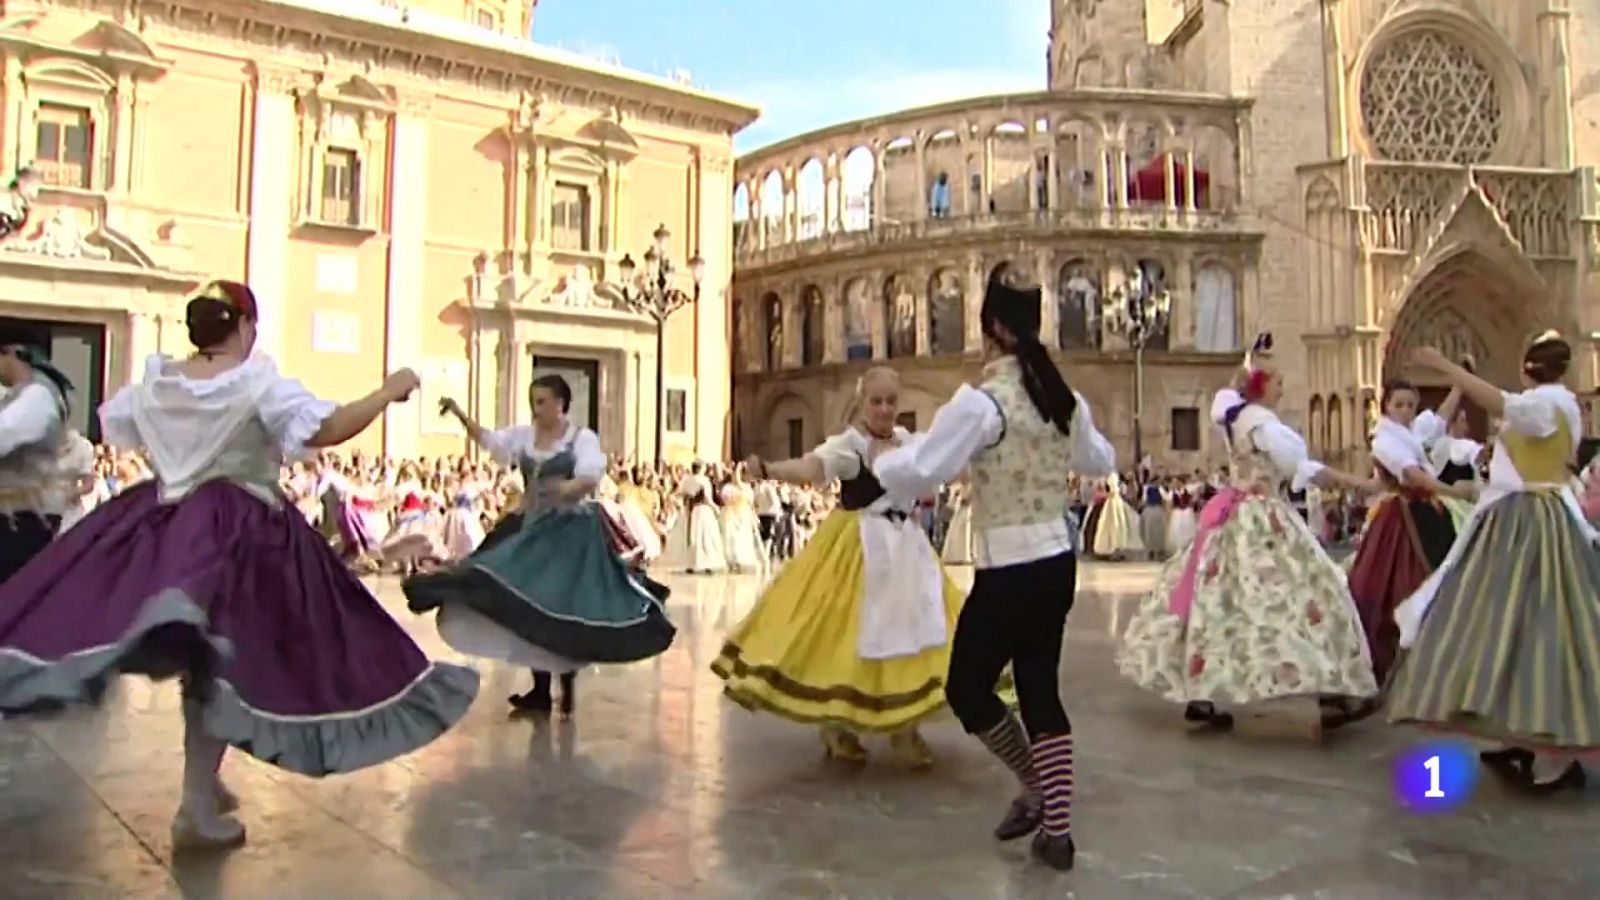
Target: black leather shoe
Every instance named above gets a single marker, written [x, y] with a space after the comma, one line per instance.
[569, 692]
[1205, 713]
[1021, 820]
[1514, 764]
[1055, 852]
[1572, 778]
[532, 702]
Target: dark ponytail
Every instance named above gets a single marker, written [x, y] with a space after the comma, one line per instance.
[1016, 310]
[1048, 390]
[210, 321]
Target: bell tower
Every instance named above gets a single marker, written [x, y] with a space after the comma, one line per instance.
[1096, 43]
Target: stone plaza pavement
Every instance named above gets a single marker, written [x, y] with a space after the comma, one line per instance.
[661, 788]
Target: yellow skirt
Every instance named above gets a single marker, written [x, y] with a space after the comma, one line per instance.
[794, 655]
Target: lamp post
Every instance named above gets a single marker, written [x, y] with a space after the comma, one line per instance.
[1138, 313]
[650, 291]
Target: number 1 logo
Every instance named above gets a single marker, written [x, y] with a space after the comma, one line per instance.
[1435, 777]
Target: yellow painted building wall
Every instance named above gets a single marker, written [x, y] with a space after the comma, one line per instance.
[210, 148]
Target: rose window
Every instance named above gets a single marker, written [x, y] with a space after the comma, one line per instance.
[1426, 98]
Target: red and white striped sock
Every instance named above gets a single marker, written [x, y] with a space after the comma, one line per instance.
[1010, 742]
[1052, 759]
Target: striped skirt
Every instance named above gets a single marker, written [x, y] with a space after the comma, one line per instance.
[1510, 648]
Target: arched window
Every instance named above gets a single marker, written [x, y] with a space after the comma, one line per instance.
[1078, 307]
[1215, 319]
[947, 310]
[899, 317]
[857, 321]
[772, 330]
[1149, 279]
[811, 326]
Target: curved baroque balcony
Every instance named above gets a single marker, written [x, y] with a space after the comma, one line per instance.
[1091, 161]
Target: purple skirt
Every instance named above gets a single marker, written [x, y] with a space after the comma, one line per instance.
[295, 662]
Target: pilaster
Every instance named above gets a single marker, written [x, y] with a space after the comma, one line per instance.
[713, 241]
[272, 193]
[408, 223]
[1555, 38]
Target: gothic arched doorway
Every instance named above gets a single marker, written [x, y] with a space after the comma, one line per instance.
[1463, 306]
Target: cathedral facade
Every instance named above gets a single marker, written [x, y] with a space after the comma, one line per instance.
[1357, 176]
[403, 184]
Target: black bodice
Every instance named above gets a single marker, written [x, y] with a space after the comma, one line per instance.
[1454, 472]
[861, 491]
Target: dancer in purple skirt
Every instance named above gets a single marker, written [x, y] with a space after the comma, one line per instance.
[205, 573]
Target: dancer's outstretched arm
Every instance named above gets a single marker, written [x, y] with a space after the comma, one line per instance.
[353, 418]
[478, 433]
[1481, 392]
[806, 469]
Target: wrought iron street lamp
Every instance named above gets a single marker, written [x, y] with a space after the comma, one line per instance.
[1138, 312]
[650, 291]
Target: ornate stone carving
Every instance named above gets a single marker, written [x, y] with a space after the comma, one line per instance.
[578, 291]
[60, 238]
[1425, 97]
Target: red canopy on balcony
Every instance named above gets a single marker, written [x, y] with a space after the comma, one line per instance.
[1148, 185]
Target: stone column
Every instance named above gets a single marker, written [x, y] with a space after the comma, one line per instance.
[516, 352]
[880, 315]
[1190, 201]
[1045, 272]
[1169, 182]
[538, 215]
[1334, 80]
[120, 176]
[1119, 175]
[880, 188]
[610, 223]
[273, 193]
[487, 404]
[791, 196]
[985, 195]
[408, 227]
[1554, 34]
[1052, 176]
[832, 321]
[922, 177]
[972, 303]
[713, 378]
[10, 159]
[920, 284]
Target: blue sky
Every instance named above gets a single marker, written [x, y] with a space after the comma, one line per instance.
[811, 63]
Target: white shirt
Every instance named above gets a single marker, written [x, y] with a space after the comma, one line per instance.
[962, 429]
[1398, 448]
[1282, 445]
[28, 418]
[767, 503]
[589, 461]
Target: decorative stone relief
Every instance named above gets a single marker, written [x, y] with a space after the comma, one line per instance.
[60, 238]
[577, 290]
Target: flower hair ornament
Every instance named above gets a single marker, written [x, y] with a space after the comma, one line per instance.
[1255, 383]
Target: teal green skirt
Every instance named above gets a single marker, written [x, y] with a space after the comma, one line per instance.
[553, 580]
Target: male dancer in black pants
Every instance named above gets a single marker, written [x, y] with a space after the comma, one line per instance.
[1022, 432]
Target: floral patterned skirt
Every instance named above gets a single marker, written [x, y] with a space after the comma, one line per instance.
[1271, 617]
